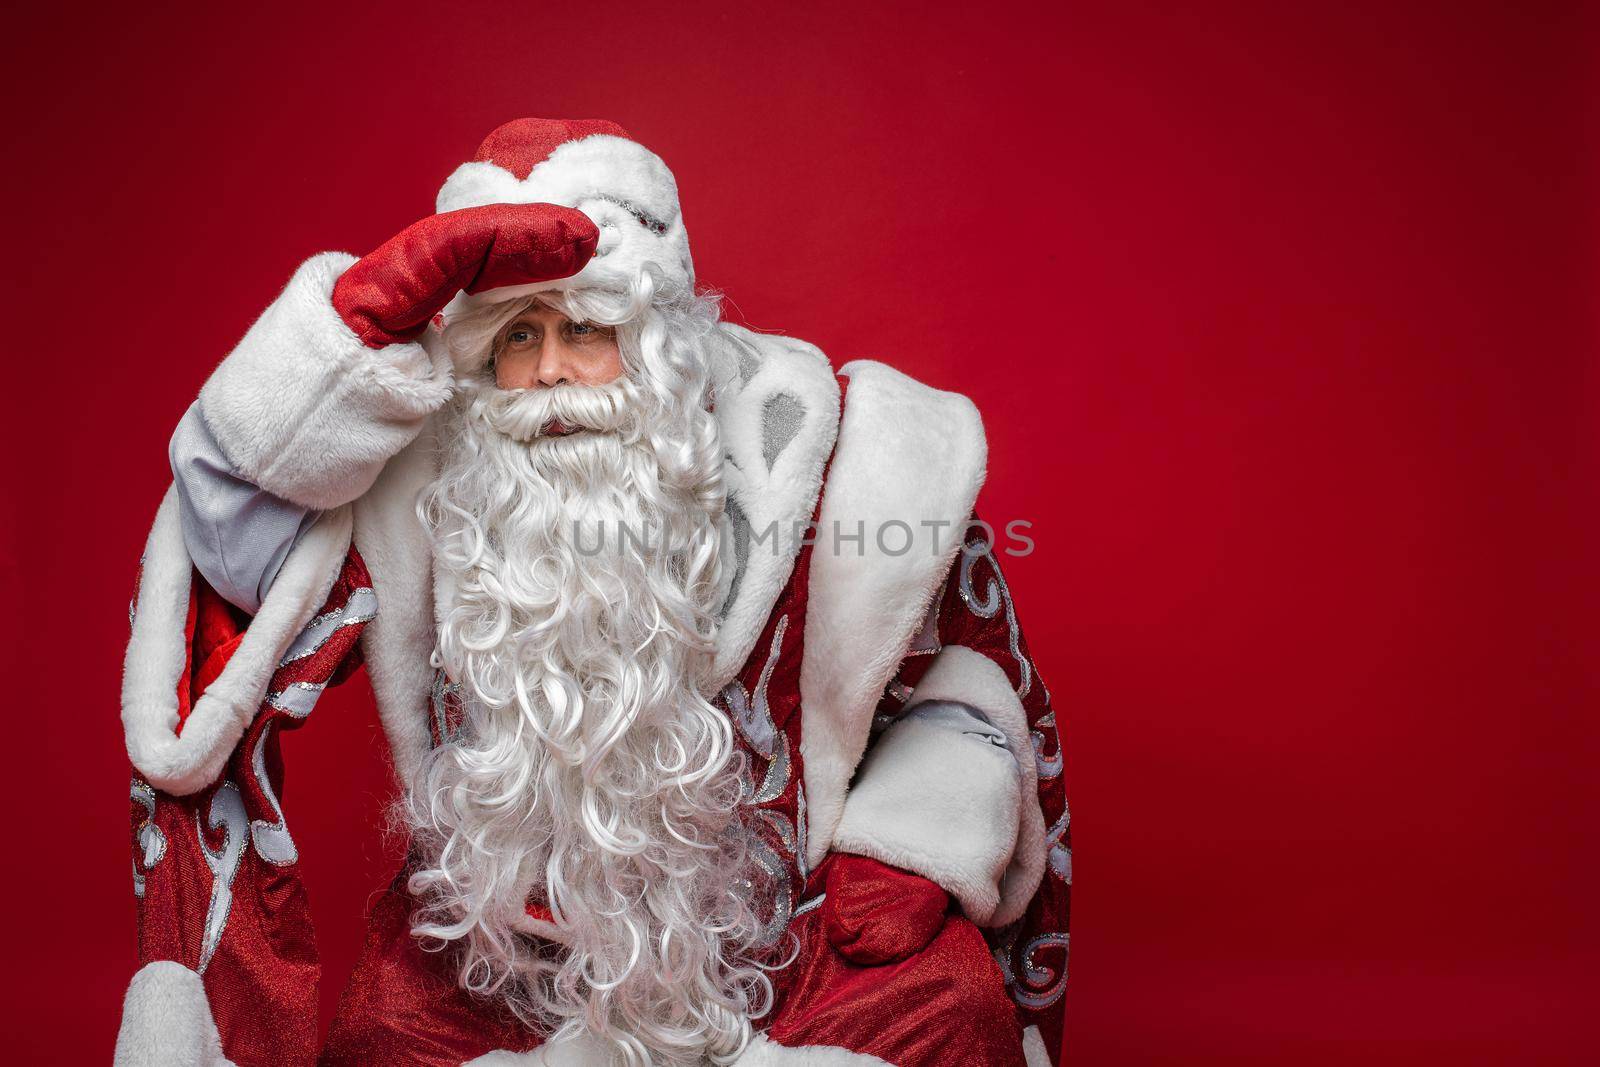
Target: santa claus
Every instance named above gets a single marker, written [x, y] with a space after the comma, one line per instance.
[716, 735]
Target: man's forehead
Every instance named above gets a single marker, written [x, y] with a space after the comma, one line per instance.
[539, 310]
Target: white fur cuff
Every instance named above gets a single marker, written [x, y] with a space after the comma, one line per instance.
[960, 674]
[158, 651]
[167, 1022]
[938, 794]
[306, 411]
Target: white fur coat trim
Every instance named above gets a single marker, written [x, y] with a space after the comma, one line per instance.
[959, 674]
[167, 1021]
[158, 652]
[398, 644]
[779, 416]
[935, 797]
[761, 1052]
[1034, 1054]
[305, 410]
[910, 454]
[621, 185]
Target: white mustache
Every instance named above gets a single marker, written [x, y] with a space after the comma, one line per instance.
[525, 415]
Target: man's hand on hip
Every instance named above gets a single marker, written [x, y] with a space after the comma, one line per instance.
[875, 913]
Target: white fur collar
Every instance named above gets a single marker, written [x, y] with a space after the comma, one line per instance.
[779, 414]
[398, 644]
[910, 454]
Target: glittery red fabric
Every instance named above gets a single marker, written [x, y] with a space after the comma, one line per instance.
[944, 1004]
[392, 293]
[214, 896]
[875, 913]
[522, 144]
[402, 1004]
[941, 1006]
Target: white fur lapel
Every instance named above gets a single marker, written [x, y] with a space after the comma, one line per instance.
[398, 644]
[779, 416]
[158, 652]
[910, 454]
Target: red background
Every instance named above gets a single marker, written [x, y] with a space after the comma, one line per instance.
[1282, 323]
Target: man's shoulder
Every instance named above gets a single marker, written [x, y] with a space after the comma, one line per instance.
[883, 397]
[886, 408]
[907, 453]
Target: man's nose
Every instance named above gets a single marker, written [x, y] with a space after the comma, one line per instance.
[555, 365]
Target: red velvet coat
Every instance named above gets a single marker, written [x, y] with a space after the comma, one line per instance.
[821, 648]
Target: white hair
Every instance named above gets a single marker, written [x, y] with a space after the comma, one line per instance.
[589, 768]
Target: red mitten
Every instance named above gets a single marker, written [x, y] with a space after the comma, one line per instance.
[875, 913]
[391, 294]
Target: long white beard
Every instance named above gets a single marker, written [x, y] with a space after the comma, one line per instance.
[589, 769]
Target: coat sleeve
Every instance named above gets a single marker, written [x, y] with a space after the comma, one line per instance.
[932, 794]
[237, 533]
[302, 409]
[228, 966]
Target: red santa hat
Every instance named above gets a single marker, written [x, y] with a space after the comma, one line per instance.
[594, 166]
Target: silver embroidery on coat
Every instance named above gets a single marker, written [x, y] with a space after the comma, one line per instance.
[1060, 852]
[226, 813]
[771, 898]
[776, 780]
[1050, 984]
[270, 839]
[769, 890]
[152, 840]
[749, 361]
[297, 699]
[809, 905]
[800, 831]
[753, 716]
[361, 606]
[1049, 766]
[750, 711]
[781, 827]
[782, 416]
[994, 596]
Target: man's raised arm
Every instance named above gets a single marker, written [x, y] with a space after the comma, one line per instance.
[331, 382]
